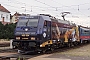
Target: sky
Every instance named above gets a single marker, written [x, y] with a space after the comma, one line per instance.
[79, 9]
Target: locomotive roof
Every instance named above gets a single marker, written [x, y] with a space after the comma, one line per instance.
[35, 17]
[85, 28]
[46, 17]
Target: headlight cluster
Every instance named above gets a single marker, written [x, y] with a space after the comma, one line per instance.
[18, 38]
[25, 34]
[32, 38]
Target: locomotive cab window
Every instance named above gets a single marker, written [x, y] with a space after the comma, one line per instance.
[47, 28]
[33, 22]
[28, 22]
[45, 23]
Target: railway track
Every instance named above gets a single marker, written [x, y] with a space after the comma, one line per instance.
[13, 55]
[62, 49]
[4, 43]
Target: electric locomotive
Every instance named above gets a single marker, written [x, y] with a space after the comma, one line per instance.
[43, 32]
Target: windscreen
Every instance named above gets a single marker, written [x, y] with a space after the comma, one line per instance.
[28, 22]
[33, 22]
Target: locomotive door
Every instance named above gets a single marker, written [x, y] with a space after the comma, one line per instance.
[47, 30]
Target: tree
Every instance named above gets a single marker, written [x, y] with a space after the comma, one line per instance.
[7, 31]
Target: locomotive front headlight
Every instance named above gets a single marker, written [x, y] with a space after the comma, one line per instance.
[18, 38]
[32, 38]
[23, 34]
[27, 34]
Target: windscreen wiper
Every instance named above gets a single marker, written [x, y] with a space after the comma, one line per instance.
[27, 22]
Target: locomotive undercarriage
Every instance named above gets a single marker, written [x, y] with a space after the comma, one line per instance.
[27, 46]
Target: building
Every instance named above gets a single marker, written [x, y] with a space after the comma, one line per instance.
[16, 16]
[4, 15]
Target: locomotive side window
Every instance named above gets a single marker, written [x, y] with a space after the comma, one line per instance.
[85, 32]
[45, 23]
[47, 28]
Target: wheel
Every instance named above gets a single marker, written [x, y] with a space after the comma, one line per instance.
[69, 45]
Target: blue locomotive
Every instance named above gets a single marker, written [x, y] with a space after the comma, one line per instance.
[43, 32]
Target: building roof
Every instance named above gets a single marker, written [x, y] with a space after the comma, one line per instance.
[3, 9]
[18, 14]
